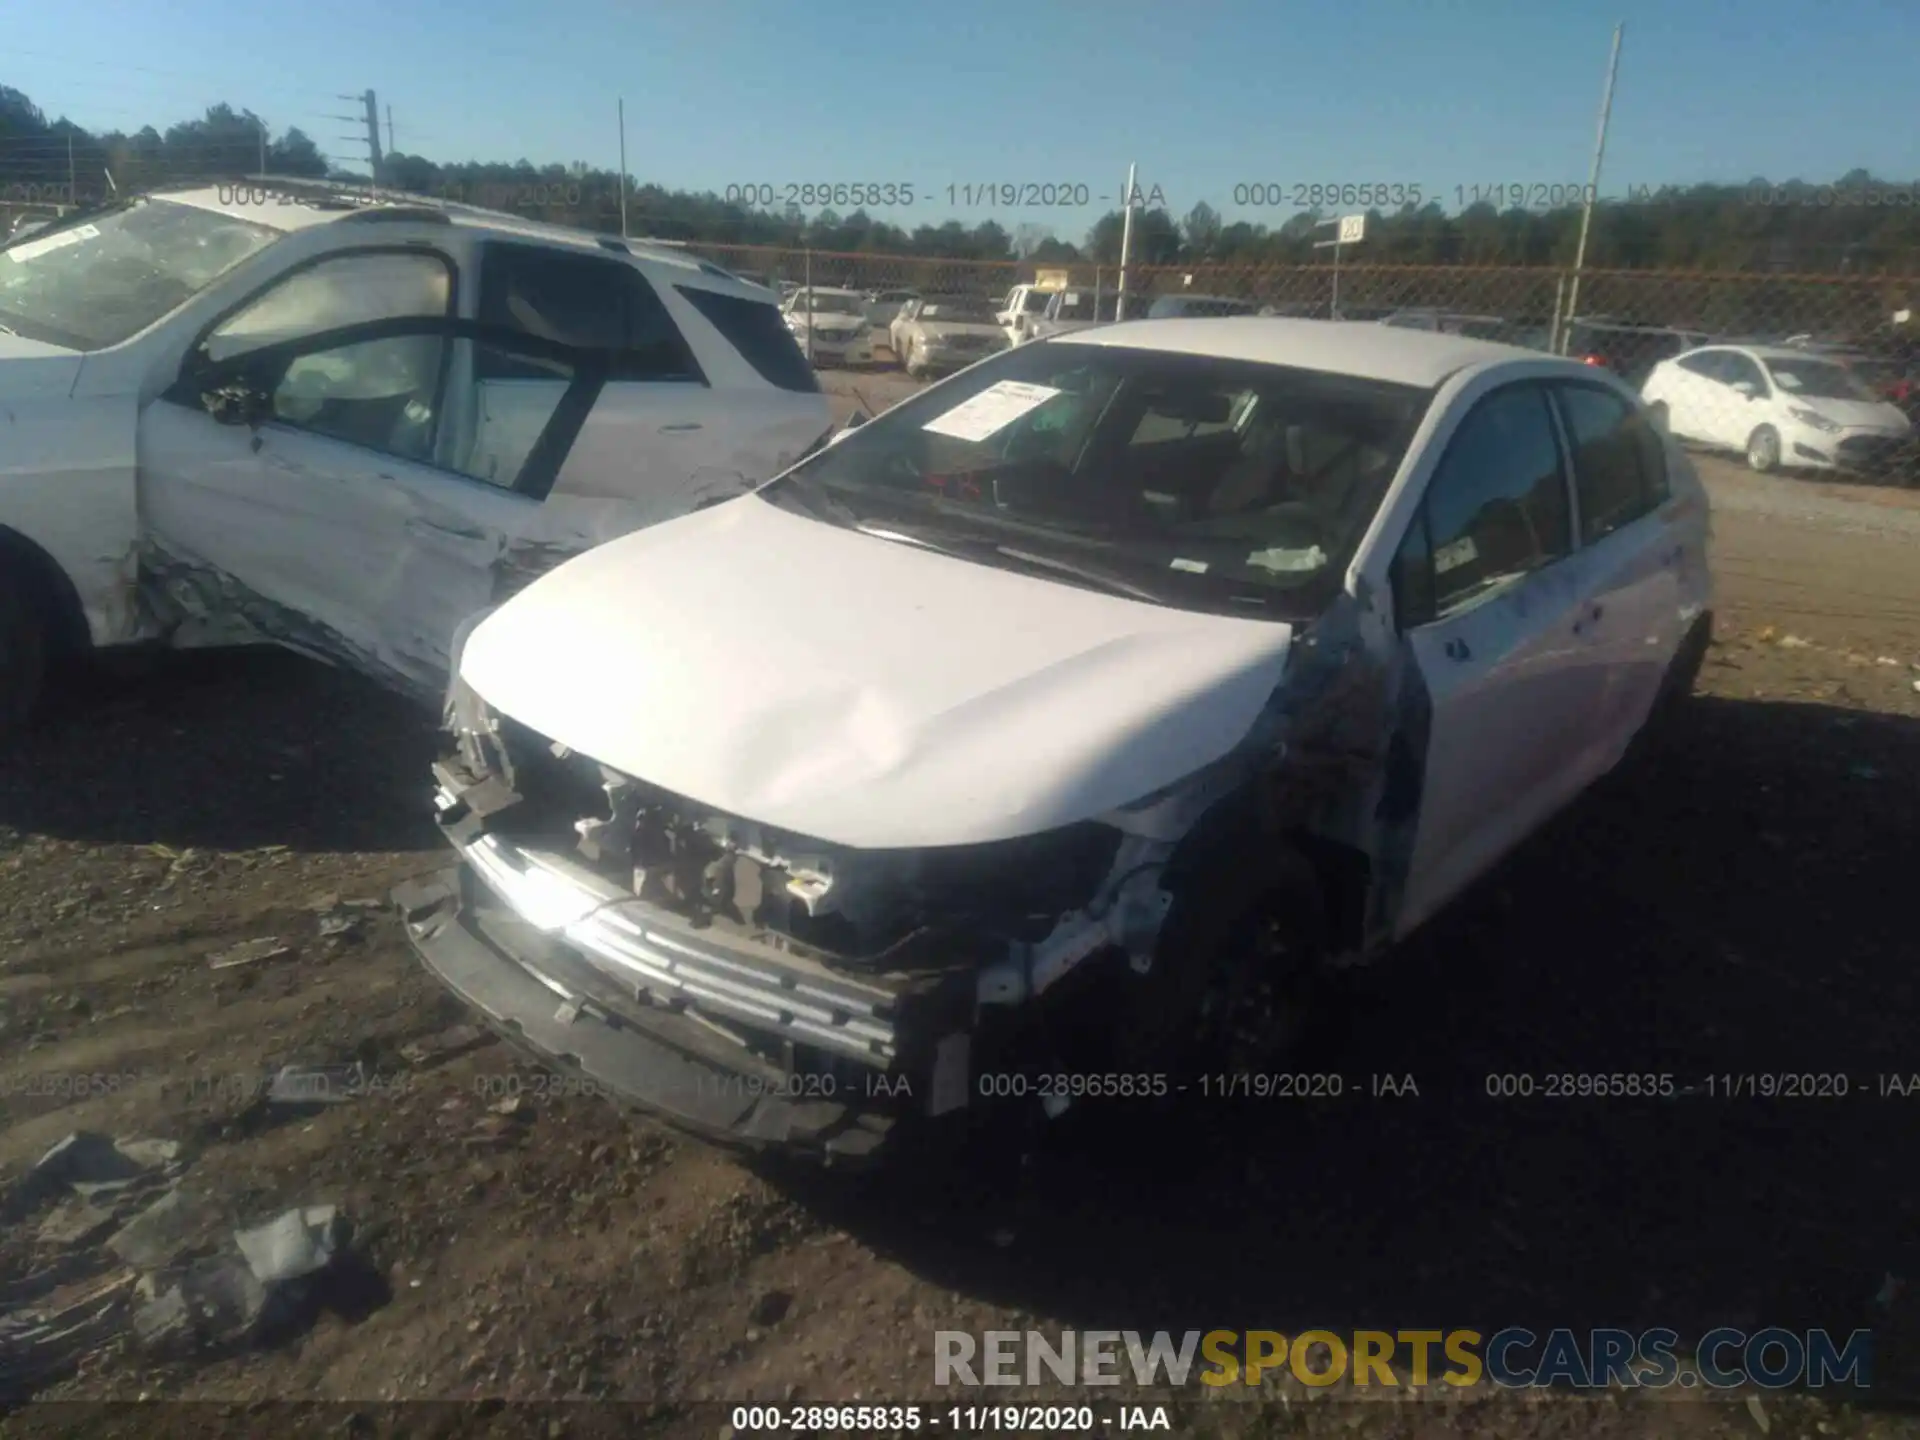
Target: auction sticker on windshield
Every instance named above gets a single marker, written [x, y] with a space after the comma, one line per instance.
[992, 410]
[31, 248]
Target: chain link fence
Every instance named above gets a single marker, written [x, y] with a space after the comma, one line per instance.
[1819, 373]
[1790, 410]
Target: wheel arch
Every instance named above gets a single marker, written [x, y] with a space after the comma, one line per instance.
[49, 585]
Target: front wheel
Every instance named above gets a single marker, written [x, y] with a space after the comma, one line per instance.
[23, 658]
[1763, 450]
[1239, 972]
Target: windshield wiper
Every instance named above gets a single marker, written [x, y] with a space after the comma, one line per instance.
[969, 548]
[1104, 579]
[814, 498]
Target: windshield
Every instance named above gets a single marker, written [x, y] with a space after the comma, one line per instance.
[1816, 380]
[827, 303]
[1477, 328]
[93, 284]
[957, 310]
[1035, 301]
[1206, 483]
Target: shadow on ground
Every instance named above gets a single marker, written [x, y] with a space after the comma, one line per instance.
[1740, 903]
[304, 756]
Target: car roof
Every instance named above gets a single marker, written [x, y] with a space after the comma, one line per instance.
[833, 290]
[1343, 347]
[332, 203]
[1771, 352]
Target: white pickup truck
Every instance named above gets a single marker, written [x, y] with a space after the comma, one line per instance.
[1021, 310]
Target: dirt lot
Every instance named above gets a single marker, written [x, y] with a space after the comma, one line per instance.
[1739, 904]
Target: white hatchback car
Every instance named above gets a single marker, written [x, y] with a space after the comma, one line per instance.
[1777, 405]
[276, 411]
[1062, 721]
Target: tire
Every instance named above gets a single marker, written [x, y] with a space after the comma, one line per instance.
[1237, 976]
[1763, 450]
[23, 658]
[1676, 688]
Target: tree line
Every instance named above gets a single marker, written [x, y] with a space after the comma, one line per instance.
[1856, 224]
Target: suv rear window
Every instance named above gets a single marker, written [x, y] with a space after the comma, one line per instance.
[755, 329]
[580, 300]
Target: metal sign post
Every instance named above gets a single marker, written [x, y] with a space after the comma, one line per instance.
[1348, 230]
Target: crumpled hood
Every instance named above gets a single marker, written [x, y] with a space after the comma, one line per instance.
[864, 691]
[31, 370]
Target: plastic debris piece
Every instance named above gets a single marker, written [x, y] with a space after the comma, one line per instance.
[248, 952]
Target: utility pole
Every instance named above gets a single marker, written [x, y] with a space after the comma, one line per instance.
[369, 135]
[1126, 248]
[1593, 189]
[73, 190]
[390, 144]
[263, 145]
[623, 170]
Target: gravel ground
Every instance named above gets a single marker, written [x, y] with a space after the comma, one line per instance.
[1736, 904]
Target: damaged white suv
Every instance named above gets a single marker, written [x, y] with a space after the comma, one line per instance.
[1046, 735]
[281, 411]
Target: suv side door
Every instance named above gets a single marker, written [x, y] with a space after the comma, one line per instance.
[311, 476]
[1487, 589]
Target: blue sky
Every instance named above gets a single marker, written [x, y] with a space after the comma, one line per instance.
[1204, 95]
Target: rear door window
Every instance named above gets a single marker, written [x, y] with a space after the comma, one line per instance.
[584, 301]
[1619, 467]
[756, 330]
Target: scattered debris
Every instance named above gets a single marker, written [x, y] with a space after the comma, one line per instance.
[293, 1245]
[248, 952]
[1759, 1413]
[1886, 660]
[1794, 642]
[512, 1105]
[75, 1223]
[444, 1045]
[178, 1222]
[1863, 772]
[1889, 1291]
[228, 1299]
[41, 1345]
[338, 924]
[95, 1167]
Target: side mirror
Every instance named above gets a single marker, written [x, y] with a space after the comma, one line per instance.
[236, 403]
[1746, 388]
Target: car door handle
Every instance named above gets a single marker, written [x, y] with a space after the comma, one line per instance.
[681, 428]
[1457, 650]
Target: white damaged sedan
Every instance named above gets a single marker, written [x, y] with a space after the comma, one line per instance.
[1064, 721]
